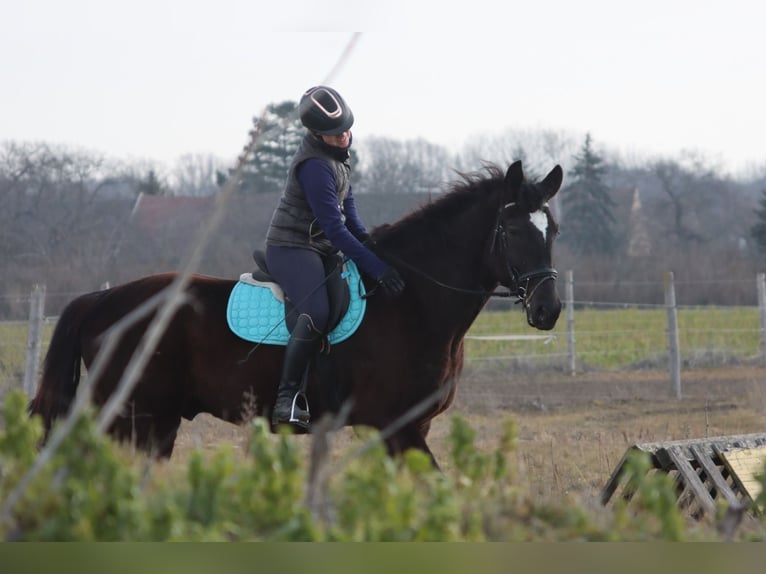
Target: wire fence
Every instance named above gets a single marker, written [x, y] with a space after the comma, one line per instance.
[590, 335]
[619, 336]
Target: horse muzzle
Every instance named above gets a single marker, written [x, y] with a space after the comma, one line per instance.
[543, 316]
[542, 303]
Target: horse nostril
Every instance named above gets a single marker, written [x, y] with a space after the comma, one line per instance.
[544, 318]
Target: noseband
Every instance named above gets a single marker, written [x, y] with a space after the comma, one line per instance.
[517, 284]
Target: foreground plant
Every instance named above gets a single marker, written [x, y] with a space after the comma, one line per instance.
[94, 489]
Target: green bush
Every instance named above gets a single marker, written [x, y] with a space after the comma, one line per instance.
[92, 491]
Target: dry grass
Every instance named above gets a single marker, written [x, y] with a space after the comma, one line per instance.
[572, 431]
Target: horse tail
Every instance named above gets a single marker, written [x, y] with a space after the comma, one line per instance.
[61, 367]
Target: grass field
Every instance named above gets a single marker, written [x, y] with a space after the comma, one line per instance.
[618, 339]
[13, 349]
[625, 338]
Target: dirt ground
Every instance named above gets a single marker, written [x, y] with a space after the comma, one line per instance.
[551, 391]
[572, 430]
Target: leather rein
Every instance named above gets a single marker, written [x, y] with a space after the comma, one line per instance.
[518, 283]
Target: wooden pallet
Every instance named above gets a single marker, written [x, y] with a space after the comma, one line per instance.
[703, 470]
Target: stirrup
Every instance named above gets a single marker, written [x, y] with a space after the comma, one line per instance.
[294, 420]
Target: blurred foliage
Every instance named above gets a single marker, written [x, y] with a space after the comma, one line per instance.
[92, 491]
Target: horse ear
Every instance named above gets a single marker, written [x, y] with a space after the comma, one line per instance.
[552, 181]
[514, 177]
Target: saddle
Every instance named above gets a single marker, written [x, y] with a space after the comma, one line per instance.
[337, 289]
[258, 310]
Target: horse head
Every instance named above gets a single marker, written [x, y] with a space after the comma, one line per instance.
[522, 244]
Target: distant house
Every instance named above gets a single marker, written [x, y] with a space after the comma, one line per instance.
[156, 214]
[161, 229]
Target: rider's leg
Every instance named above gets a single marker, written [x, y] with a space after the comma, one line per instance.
[300, 272]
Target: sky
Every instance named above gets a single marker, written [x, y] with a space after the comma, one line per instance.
[158, 79]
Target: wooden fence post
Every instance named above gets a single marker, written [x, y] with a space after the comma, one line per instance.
[569, 302]
[673, 346]
[761, 281]
[34, 339]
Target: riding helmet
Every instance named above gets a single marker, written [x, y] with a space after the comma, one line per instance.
[324, 111]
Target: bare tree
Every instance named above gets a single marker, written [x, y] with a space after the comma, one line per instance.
[394, 166]
[57, 216]
[196, 174]
[537, 148]
[695, 196]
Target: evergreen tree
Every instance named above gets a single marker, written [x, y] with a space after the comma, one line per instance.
[588, 219]
[758, 231]
[152, 184]
[280, 135]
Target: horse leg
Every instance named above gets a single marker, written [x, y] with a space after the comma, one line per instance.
[154, 434]
[164, 438]
[409, 437]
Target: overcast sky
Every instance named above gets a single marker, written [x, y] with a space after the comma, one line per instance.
[156, 79]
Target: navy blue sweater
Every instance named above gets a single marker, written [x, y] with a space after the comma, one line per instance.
[318, 183]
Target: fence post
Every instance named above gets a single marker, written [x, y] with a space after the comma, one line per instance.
[569, 303]
[761, 281]
[34, 339]
[673, 347]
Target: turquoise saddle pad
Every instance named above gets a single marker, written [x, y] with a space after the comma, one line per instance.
[256, 312]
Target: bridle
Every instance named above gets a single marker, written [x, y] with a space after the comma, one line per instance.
[517, 283]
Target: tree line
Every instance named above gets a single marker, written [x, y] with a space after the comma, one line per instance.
[68, 217]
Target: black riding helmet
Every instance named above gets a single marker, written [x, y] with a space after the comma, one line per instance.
[324, 111]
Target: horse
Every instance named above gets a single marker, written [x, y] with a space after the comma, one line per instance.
[489, 228]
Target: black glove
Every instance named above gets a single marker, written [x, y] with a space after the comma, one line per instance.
[391, 281]
[366, 240]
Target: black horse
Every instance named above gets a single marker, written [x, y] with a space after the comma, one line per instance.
[491, 228]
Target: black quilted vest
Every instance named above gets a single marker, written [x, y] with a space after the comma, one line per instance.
[293, 223]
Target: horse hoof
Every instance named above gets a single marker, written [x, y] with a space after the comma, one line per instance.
[296, 426]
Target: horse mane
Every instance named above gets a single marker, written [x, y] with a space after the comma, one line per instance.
[433, 220]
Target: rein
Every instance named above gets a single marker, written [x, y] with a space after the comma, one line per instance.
[388, 256]
[519, 283]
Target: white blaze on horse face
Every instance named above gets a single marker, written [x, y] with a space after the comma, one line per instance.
[540, 220]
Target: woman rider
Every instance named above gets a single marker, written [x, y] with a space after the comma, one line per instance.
[316, 217]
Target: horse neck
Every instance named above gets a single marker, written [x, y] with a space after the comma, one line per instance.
[454, 256]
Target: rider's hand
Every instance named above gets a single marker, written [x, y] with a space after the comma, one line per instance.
[366, 240]
[391, 281]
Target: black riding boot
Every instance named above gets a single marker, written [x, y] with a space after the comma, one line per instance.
[291, 406]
